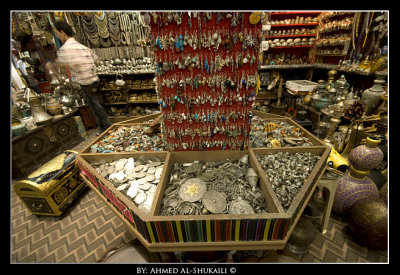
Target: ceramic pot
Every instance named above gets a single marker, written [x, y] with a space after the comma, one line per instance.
[341, 83]
[18, 129]
[366, 156]
[54, 107]
[368, 221]
[322, 103]
[371, 96]
[351, 188]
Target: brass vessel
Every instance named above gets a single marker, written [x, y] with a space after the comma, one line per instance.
[39, 115]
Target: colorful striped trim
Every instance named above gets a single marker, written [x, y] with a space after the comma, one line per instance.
[195, 230]
[217, 230]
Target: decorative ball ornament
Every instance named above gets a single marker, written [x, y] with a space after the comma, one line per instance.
[255, 17]
[367, 156]
[368, 221]
[351, 188]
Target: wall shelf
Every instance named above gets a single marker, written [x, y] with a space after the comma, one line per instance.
[295, 12]
[292, 35]
[289, 47]
[295, 25]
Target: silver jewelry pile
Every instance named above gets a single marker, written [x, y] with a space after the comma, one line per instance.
[287, 173]
[128, 139]
[136, 179]
[223, 187]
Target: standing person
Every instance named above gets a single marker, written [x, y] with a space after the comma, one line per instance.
[81, 61]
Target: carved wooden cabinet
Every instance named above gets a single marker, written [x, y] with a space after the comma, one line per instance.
[40, 145]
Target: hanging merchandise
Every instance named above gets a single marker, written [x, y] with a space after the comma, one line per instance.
[206, 65]
[76, 24]
[113, 28]
[90, 30]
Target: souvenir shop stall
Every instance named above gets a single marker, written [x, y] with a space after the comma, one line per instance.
[228, 127]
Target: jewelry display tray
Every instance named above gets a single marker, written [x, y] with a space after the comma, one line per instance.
[157, 233]
[143, 120]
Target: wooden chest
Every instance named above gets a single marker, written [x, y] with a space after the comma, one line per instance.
[52, 187]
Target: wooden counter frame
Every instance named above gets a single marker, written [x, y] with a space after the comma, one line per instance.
[139, 119]
[146, 223]
[166, 233]
[189, 246]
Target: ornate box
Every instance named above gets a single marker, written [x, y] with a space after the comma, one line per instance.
[51, 188]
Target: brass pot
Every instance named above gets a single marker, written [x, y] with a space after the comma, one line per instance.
[302, 236]
[39, 115]
[368, 221]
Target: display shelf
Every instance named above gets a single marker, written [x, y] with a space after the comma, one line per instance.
[115, 103]
[134, 84]
[294, 66]
[116, 73]
[290, 21]
[289, 47]
[130, 89]
[270, 230]
[292, 35]
[295, 12]
[295, 25]
[314, 66]
[341, 25]
[141, 89]
[331, 54]
[339, 15]
[143, 101]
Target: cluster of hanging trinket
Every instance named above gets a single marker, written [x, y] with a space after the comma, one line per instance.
[206, 65]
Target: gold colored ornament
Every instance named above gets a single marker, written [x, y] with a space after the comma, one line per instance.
[270, 127]
[255, 17]
[61, 194]
[192, 190]
[275, 143]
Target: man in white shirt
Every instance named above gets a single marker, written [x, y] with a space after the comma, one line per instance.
[81, 61]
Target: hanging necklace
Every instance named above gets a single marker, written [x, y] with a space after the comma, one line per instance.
[114, 28]
[101, 23]
[79, 34]
[91, 29]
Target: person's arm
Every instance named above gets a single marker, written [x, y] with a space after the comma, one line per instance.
[53, 68]
[95, 58]
[62, 63]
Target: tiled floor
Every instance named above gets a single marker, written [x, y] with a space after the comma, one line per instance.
[89, 229]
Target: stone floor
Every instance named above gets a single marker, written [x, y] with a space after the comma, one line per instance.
[89, 229]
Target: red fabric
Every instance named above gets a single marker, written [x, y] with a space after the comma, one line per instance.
[224, 25]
